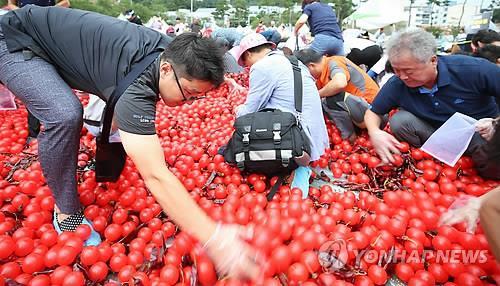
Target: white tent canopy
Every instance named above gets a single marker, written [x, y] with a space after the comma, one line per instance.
[376, 14]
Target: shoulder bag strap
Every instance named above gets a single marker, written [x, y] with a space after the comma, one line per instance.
[136, 71]
[297, 83]
[275, 187]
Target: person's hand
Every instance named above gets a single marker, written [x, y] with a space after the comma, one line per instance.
[385, 145]
[233, 86]
[232, 256]
[230, 81]
[485, 128]
[467, 212]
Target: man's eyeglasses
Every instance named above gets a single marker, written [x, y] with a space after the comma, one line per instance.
[189, 100]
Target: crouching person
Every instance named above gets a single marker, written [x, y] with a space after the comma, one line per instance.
[428, 89]
[272, 86]
[345, 88]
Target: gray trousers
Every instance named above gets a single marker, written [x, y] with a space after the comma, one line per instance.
[408, 127]
[45, 94]
[345, 110]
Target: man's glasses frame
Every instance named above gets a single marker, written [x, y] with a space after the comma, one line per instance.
[184, 98]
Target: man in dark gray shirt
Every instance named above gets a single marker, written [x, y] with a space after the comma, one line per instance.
[33, 123]
[46, 51]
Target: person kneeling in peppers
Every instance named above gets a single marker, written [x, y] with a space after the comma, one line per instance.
[47, 51]
[272, 86]
[346, 90]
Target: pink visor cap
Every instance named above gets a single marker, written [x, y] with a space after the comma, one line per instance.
[249, 41]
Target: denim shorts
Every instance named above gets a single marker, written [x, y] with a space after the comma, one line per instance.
[328, 45]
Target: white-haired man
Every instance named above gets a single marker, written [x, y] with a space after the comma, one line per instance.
[428, 89]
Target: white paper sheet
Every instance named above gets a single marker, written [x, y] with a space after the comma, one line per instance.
[449, 142]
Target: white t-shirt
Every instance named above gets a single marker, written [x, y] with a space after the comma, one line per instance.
[351, 43]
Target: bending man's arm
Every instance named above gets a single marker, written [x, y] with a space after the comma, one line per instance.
[373, 121]
[223, 243]
[334, 86]
[384, 143]
[147, 154]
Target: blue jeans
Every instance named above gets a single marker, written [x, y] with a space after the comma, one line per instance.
[328, 45]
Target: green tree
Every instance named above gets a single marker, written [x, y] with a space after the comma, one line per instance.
[266, 3]
[221, 9]
[145, 9]
[432, 3]
[106, 7]
[204, 4]
[343, 8]
[266, 18]
[496, 16]
[241, 11]
[288, 16]
[495, 6]
[435, 31]
[455, 30]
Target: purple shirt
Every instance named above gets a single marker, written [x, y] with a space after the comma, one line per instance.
[22, 3]
[322, 20]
